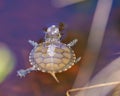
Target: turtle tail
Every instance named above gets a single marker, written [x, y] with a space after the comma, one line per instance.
[54, 76]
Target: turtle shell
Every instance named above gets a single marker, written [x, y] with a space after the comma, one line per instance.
[63, 59]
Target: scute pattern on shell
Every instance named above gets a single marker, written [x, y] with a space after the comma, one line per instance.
[63, 59]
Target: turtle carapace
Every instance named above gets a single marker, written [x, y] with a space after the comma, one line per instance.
[51, 56]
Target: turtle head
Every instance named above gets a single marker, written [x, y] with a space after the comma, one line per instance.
[52, 34]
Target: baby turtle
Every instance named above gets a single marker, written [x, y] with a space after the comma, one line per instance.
[51, 56]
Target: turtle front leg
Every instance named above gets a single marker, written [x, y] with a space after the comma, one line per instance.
[23, 73]
[33, 43]
[78, 59]
[72, 43]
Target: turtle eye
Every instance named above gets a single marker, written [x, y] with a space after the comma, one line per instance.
[61, 26]
[45, 29]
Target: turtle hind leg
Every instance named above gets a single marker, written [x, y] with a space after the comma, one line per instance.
[54, 76]
[78, 59]
[23, 73]
[72, 43]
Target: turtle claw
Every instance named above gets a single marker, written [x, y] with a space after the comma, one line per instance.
[72, 43]
[33, 43]
[21, 73]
